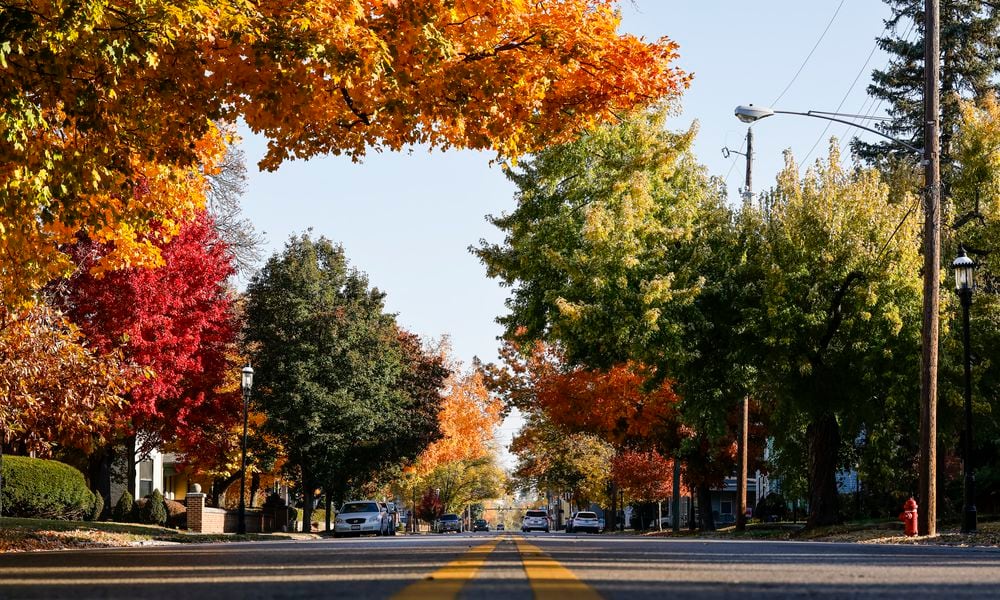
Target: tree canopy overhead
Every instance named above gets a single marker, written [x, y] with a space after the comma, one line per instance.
[100, 99]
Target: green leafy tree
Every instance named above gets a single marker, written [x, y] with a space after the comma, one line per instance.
[976, 225]
[327, 358]
[840, 313]
[590, 249]
[464, 482]
[549, 458]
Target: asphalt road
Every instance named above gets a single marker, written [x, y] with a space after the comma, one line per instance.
[507, 566]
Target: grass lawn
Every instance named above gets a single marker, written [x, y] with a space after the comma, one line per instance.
[883, 531]
[18, 534]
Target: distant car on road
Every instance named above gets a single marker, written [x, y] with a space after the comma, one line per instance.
[535, 520]
[449, 522]
[360, 517]
[480, 525]
[584, 520]
[500, 527]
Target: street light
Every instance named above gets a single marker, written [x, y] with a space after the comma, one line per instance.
[245, 384]
[932, 259]
[748, 113]
[964, 284]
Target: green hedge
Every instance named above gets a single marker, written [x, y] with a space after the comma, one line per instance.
[46, 489]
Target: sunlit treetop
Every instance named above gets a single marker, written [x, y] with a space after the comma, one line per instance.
[93, 93]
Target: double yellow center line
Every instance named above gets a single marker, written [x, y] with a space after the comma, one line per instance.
[549, 580]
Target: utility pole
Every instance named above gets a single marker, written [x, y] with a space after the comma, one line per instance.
[741, 481]
[741, 477]
[927, 521]
[675, 501]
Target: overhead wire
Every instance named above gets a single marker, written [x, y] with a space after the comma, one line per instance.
[875, 107]
[808, 56]
[839, 106]
[798, 72]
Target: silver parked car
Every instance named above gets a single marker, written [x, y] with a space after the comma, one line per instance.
[361, 517]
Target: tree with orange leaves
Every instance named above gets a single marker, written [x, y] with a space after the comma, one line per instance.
[96, 96]
[461, 465]
[613, 404]
[55, 390]
[645, 476]
[469, 415]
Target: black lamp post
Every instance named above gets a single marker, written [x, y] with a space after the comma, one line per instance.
[246, 384]
[964, 284]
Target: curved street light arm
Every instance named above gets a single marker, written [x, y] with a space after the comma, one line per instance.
[819, 115]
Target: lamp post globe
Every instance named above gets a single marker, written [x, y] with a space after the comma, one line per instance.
[964, 285]
[246, 384]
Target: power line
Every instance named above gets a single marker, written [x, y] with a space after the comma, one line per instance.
[808, 56]
[842, 101]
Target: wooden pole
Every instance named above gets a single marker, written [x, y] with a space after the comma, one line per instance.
[927, 521]
[741, 481]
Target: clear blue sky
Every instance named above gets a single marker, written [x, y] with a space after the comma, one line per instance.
[408, 219]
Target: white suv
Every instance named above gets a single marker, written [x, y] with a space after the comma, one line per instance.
[535, 520]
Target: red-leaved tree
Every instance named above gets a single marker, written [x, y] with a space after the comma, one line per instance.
[177, 321]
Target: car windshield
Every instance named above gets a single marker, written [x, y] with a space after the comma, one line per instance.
[449, 517]
[536, 513]
[586, 515]
[480, 521]
[359, 507]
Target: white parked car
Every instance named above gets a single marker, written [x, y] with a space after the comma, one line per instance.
[535, 520]
[584, 521]
[361, 517]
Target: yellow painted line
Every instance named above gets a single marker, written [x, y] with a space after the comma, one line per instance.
[550, 580]
[447, 581]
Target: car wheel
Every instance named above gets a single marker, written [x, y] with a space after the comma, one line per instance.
[546, 530]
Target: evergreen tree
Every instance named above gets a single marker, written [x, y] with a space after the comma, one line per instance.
[970, 63]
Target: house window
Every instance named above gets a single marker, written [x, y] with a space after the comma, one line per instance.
[145, 478]
[727, 507]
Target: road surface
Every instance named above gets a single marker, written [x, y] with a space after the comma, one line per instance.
[507, 566]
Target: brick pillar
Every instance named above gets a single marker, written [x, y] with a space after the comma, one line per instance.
[195, 508]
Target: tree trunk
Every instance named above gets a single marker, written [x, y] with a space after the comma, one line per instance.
[611, 520]
[254, 487]
[705, 507]
[329, 509]
[99, 468]
[823, 436]
[692, 522]
[130, 451]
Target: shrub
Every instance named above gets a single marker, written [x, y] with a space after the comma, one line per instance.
[153, 511]
[97, 508]
[37, 488]
[122, 512]
[176, 514]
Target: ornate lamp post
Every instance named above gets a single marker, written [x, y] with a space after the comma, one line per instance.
[964, 284]
[246, 384]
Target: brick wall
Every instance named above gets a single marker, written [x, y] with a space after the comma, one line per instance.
[205, 519]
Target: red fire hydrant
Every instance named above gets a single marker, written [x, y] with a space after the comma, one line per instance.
[909, 517]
